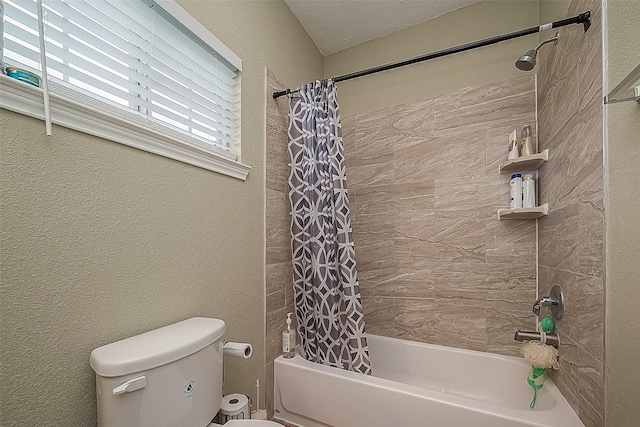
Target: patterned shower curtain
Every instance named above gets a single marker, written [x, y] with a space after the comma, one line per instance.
[325, 280]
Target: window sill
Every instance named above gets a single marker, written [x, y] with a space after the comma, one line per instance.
[25, 99]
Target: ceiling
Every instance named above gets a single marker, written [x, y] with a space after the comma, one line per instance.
[335, 25]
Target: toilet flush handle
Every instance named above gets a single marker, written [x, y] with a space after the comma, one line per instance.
[131, 385]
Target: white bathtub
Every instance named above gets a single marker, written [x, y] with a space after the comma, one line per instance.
[415, 385]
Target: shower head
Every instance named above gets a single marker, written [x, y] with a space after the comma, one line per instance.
[528, 61]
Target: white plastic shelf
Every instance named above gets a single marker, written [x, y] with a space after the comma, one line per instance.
[524, 213]
[524, 163]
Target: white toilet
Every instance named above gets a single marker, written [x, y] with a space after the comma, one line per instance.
[168, 377]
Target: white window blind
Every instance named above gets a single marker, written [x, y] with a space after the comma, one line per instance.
[134, 60]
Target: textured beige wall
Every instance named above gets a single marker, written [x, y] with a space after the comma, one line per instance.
[429, 79]
[101, 241]
[623, 224]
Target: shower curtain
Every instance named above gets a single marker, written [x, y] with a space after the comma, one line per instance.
[325, 280]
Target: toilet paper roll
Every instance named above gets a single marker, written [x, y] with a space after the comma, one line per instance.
[238, 349]
[234, 407]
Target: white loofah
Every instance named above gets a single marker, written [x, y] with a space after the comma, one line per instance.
[541, 355]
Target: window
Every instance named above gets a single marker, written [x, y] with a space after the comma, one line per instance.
[168, 84]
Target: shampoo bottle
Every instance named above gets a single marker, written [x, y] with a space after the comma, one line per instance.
[514, 147]
[526, 147]
[288, 340]
[515, 186]
[528, 191]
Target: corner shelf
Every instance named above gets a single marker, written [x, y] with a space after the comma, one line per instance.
[524, 163]
[524, 213]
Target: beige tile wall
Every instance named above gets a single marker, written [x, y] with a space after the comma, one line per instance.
[435, 264]
[278, 270]
[571, 237]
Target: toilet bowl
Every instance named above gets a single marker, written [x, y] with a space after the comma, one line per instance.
[168, 377]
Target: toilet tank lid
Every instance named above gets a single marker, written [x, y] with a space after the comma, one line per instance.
[156, 348]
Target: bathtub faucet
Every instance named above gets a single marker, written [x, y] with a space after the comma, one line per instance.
[544, 338]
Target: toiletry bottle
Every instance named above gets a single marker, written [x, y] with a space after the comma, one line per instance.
[288, 340]
[528, 191]
[526, 142]
[514, 147]
[515, 185]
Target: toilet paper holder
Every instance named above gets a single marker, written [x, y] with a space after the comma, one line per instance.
[237, 349]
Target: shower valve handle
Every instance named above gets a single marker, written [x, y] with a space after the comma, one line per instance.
[555, 301]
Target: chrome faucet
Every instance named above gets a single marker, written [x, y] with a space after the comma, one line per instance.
[544, 302]
[549, 338]
[555, 301]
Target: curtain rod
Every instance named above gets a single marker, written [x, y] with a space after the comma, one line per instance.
[583, 18]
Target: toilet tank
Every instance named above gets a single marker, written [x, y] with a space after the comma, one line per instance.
[168, 377]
